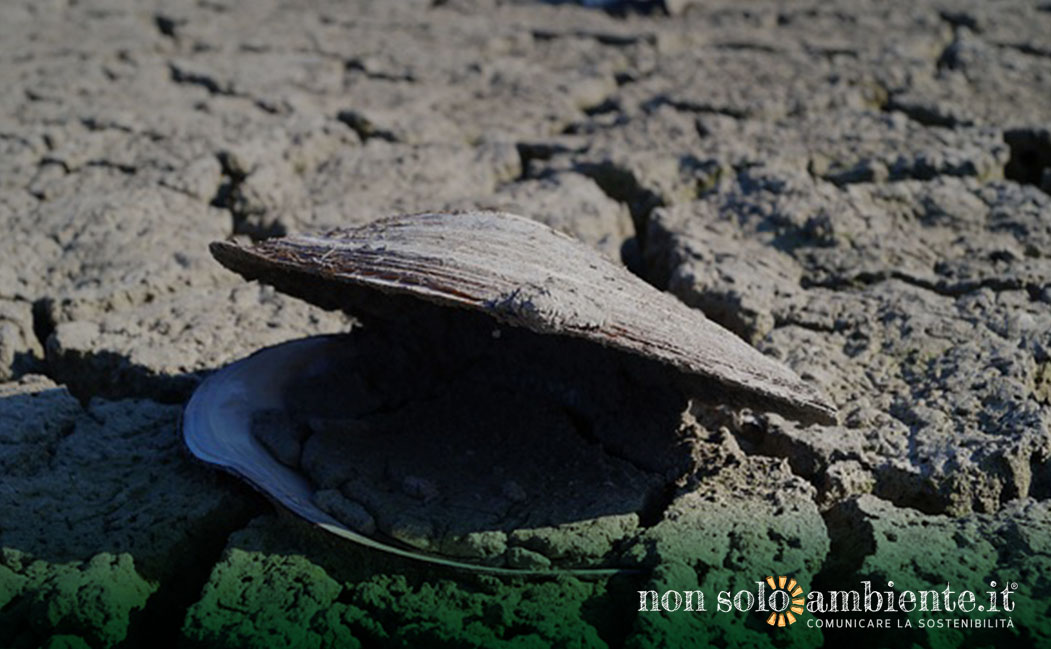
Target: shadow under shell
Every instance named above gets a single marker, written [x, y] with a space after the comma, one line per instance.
[450, 434]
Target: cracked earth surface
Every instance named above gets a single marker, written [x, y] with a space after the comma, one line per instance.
[860, 190]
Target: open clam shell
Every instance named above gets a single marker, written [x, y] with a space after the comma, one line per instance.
[524, 274]
[515, 270]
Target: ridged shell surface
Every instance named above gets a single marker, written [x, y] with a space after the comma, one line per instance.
[524, 274]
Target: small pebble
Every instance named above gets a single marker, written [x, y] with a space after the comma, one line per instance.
[513, 492]
[524, 559]
[420, 488]
[346, 511]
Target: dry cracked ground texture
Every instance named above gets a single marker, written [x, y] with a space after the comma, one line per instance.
[858, 189]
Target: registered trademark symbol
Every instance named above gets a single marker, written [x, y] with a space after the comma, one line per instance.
[981, 608]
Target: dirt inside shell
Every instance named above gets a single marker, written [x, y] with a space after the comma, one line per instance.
[454, 435]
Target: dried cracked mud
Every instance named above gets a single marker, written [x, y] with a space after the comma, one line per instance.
[860, 190]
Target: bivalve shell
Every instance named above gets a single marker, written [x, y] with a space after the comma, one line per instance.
[293, 419]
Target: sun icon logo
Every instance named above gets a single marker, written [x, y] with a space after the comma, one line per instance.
[786, 600]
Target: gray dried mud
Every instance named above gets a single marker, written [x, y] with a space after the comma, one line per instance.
[860, 190]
